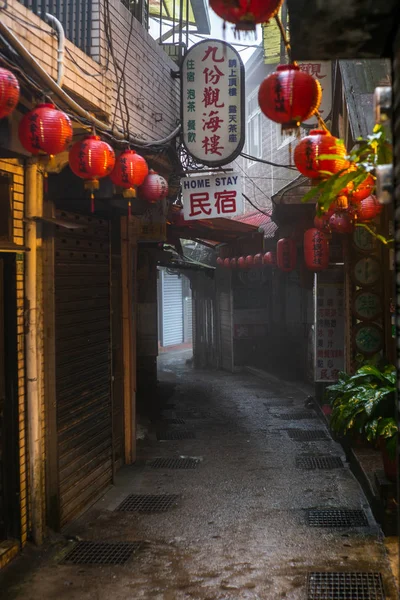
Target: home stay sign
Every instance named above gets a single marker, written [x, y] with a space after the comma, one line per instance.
[212, 102]
[211, 196]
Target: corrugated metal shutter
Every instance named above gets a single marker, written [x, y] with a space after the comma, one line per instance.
[172, 309]
[225, 305]
[83, 362]
[187, 319]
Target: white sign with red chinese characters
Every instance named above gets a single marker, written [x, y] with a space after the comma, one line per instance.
[212, 102]
[322, 71]
[210, 196]
[329, 330]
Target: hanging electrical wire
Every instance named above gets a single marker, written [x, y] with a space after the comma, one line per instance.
[267, 214]
[267, 162]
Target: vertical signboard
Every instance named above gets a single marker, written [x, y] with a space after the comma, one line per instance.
[329, 326]
[322, 71]
[212, 102]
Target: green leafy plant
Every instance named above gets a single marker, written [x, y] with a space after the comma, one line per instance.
[364, 404]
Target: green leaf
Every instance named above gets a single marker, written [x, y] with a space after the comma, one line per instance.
[327, 157]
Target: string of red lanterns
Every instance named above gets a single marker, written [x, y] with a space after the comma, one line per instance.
[9, 92]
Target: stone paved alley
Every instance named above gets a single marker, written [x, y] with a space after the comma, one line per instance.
[239, 528]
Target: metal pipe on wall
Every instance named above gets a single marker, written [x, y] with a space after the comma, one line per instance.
[32, 205]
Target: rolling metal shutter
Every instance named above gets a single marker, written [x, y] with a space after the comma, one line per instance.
[172, 309]
[83, 362]
[188, 319]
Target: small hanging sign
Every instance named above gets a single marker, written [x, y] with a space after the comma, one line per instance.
[212, 102]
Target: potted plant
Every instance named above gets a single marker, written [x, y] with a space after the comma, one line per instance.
[363, 405]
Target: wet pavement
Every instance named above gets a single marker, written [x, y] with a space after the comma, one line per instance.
[239, 528]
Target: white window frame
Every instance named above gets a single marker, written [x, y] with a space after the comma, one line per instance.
[251, 115]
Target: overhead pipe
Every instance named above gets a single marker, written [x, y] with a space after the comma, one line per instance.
[61, 46]
[56, 89]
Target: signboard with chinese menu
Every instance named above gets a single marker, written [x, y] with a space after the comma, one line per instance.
[329, 327]
[322, 71]
[212, 102]
[211, 196]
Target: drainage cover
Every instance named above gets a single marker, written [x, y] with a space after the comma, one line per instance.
[273, 403]
[148, 503]
[309, 463]
[345, 586]
[175, 435]
[175, 421]
[337, 517]
[307, 435]
[174, 463]
[101, 553]
[297, 416]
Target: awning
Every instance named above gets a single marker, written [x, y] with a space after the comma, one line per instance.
[218, 230]
[260, 220]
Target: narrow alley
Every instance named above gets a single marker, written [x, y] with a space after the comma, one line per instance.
[244, 521]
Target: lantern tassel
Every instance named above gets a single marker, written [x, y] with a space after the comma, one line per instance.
[92, 203]
[129, 209]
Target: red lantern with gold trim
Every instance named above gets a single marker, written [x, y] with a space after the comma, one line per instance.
[249, 261]
[342, 222]
[233, 263]
[227, 263]
[220, 261]
[316, 250]
[241, 262]
[45, 129]
[130, 171]
[289, 96]
[245, 14]
[286, 255]
[9, 92]
[258, 260]
[322, 222]
[91, 159]
[368, 209]
[269, 259]
[153, 188]
[318, 142]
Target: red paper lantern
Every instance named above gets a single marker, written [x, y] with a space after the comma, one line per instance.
[363, 190]
[258, 260]
[368, 209]
[233, 263]
[269, 259]
[227, 263]
[9, 92]
[316, 250]
[241, 262]
[154, 187]
[130, 171]
[322, 222]
[45, 129]
[341, 222]
[220, 261]
[245, 14]
[179, 219]
[289, 96]
[311, 147]
[286, 255]
[249, 261]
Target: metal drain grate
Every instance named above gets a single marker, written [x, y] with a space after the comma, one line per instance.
[345, 586]
[100, 553]
[175, 421]
[163, 436]
[278, 403]
[148, 503]
[337, 517]
[296, 416]
[307, 435]
[174, 463]
[309, 463]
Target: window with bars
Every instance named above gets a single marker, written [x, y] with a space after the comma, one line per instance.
[140, 9]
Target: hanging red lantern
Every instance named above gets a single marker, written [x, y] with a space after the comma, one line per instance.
[91, 159]
[241, 262]
[258, 260]
[249, 261]
[220, 261]
[289, 96]
[341, 222]
[227, 263]
[245, 14]
[286, 255]
[130, 171]
[154, 187]
[311, 147]
[368, 209]
[178, 219]
[322, 222]
[269, 259]
[45, 129]
[9, 92]
[233, 263]
[316, 250]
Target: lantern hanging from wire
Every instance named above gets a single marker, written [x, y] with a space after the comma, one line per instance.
[249, 261]
[153, 188]
[227, 263]
[286, 255]
[46, 130]
[246, 14]
[9, 92]
[130, 171]
[322, 223]
[269, 259]
[368, 209]
[241, 262]
[341, 222]
[316, 250]
[317, 143]
[220, 261]
[258, 260]
[289, 96]
[233, 263]
[91, 159]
